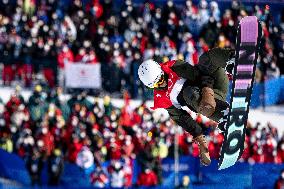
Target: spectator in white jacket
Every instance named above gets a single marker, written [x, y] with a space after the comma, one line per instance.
[85, 158]
[116, 174]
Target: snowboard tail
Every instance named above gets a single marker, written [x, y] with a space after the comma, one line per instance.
[247, 47]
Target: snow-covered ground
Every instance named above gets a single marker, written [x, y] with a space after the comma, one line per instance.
[272, 114]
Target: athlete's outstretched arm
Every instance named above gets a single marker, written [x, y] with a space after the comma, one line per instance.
[183, 119]
[215, 58]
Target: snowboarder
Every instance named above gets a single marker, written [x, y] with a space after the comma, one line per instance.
[202, 88]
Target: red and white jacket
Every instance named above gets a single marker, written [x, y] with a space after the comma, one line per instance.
[165, 98]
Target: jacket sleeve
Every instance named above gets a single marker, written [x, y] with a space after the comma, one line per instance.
[215, 58]
[183, 119]
[210, 62]
[185, 70]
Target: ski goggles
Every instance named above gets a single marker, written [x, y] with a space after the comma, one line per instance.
[161, 81]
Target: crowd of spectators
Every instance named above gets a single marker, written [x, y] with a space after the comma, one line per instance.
[38, 37]
[50, 128]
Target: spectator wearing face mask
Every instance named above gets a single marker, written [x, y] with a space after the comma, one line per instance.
[247, 151]
[61, 104]
[49, 63]
[45, 140]
[215, 144]
[114, 149]
[128, 146]
[91, 58]
[55, 167]
[128, 171]
[99, 178]
[85, 159]
[203, 12]
[125, 119]
[214, 10]
[116, 174]
[145, 157]
[74, 147]
[35, 103]
[80, 55]
[147, 178]
[269, 149]
[27, 56]
[84, 101]
[107, 105]
[7, 58]
[65, 56]
[34, 166]
[25, 143]
[111, 76]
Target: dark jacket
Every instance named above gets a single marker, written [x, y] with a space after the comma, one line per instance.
[209, 72]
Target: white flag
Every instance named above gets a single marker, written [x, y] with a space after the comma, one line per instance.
[80, 75]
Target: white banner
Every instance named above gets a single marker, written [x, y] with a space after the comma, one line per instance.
[78, 75]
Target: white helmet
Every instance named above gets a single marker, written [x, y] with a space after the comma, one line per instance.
[150, 73]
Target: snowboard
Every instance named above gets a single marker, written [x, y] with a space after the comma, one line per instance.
[247, 47]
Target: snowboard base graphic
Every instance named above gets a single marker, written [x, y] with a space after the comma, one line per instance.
[247, 47]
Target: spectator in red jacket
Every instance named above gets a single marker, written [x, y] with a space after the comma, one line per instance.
[126, 119]
[74, 148]
[92, 57]
[65, 56]
[269, 150]
[184, 141]
[45, 141]
[215, 144]
[80, 55]
[115, 150]
[246, 153]
[128, 146]
[147, 178]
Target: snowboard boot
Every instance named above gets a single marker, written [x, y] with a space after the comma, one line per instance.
[203, 150]
[207, 104]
